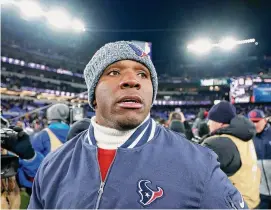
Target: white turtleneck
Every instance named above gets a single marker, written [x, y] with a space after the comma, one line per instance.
[109, 138]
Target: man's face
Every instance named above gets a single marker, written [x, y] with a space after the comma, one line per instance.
[260, 125]
[213, 126]
[123, 95]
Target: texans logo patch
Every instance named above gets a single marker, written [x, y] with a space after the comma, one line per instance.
[137, 51]
[147, 195]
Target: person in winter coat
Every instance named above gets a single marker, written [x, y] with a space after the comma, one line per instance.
[124, 159]
[200, 122]
[78, 127]
[19, 165]
[262, 142]
[231, 139]
[178, 123]
[49, 139]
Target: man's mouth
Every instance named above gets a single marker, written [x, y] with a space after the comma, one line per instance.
[130, 102]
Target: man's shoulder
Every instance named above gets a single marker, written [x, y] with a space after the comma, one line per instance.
[178, 142]
[220, 142]
[216, 137]
[267, 132]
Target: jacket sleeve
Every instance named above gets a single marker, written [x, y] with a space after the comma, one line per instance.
[35, 199]
[219, 192]
[28, 169]
[41, 142]
[227, 152]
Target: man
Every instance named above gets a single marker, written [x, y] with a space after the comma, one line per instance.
[49, 139]
[199, 123]
[124, 159]
[262, 142]
[231, 139]
[78, 127]
[178, 123]
[19, 164]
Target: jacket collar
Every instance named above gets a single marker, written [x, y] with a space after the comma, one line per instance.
[141, 135]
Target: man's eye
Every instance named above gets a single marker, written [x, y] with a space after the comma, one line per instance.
[113, 73]
[143, 75]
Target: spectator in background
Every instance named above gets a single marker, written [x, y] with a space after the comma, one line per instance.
[177, 126]
[78, 127]
[178, 123]
[199, 123]
[262, 142]
[19, 165]
[55, 135]
[231, 139]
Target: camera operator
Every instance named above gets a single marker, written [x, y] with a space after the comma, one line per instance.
[49, 139]
[19, 164]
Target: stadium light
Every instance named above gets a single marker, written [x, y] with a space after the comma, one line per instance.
[58, 18]
[3, 2]
[77, 25]
[204, 46]
[227, 44]
[30, 9]
[245, 41]
[201, 46]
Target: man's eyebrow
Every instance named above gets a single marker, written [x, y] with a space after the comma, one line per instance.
[141, 67]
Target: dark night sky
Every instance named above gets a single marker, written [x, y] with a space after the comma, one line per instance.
[176, 21]
[169, 24]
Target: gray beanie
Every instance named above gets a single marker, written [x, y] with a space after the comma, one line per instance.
[111, 53]
[58, 112]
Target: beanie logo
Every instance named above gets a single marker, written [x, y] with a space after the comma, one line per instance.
[253, 114]
[137, 51]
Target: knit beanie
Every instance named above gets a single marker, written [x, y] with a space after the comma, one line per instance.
[222, 112]
[111, 53]
[58, 112]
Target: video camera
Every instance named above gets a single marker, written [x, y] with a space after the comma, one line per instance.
[76, 114]
[9, 163]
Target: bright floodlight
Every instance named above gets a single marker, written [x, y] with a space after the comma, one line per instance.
[228, 44]
[200, 46]
[30, 8]
[78, 25]
[59, 19]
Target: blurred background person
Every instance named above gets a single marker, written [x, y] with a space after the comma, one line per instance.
[262, 142]
[178, 123]
[78, 127]
[19, 165]
[231, 139]
[200, 122]
[52, 137]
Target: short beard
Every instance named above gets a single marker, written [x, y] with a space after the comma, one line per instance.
[127, 124]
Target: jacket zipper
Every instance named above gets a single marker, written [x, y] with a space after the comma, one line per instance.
[101, 189]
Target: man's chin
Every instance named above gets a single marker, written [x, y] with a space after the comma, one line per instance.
[129, 122]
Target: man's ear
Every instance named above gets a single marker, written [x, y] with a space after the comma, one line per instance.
[94, 104]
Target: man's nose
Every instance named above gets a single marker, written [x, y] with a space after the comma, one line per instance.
[129, 80]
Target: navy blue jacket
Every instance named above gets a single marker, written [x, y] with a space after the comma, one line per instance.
[262, 142]
[154, 168]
